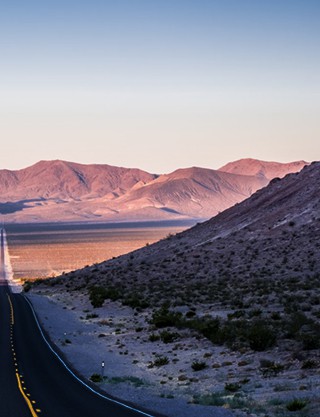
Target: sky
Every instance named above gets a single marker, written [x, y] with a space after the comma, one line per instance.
[159, 84]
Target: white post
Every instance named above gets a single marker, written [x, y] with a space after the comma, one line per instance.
[102, 369]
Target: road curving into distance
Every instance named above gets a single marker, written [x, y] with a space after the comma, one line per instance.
[34, 380]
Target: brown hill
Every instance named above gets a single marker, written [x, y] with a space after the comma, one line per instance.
[195, 192]
[264, 169]
[66, 191]
[68, 180]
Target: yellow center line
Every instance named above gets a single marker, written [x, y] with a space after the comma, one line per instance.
[19, 380]
[11, 309]
[34, 414]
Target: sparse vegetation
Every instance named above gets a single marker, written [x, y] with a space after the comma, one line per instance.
[96, 378]
[199, 365]
[296, 404]
[159, 361]
[232, 387]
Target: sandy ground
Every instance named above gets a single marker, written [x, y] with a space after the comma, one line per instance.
[115, 338]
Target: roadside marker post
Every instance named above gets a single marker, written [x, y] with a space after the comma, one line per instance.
[102, 369]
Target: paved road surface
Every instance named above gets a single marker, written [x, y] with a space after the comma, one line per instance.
[33, 381]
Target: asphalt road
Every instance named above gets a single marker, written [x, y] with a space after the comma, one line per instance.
[34, 381]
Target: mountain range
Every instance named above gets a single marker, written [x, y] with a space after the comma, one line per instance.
[67, 191]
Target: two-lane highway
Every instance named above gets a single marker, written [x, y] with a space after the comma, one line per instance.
[34, 381]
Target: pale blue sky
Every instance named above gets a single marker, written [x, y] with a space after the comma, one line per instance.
[159, 84]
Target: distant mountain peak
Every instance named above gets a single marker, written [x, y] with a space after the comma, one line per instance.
[268, 169]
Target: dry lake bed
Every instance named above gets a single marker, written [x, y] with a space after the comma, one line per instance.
[46, 250]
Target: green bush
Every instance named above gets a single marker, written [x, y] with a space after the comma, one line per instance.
[309, 364]
[168, 337]
[96, 378]
[154, 337]
[97, 295]
[190, 314]
[165, 318]
[236, 314]
[260, 336]
[136, 302]
[310, 341]
[270, 368]
[92, 316]
[232, 387]
[159, 361]
[207, 326]
[296, 322]
[296, 404]
[198, 366]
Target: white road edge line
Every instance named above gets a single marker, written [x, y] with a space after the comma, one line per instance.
[75, 376]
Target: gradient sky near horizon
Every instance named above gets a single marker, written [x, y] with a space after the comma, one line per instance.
[159, 84]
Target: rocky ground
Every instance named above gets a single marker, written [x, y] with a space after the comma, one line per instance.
[163, 374]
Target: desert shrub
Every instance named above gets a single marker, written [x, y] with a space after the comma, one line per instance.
[260, 336]
[96, 378]
[270, 368]
[168, 337]
[236, 314]
[190, 314]
[165, 318]
[256, 312]
[296, 404]
[27, 286]
[154, 337]
[232, 387]
[296, 322]
[198, 366]
[215, 399]
[276, 315]
[220, 399]
[112, 293]
[136, 302]
[91, 316]
[97, 295]
[159, 361]
[310, 341]
[136, 382]
[309, 364]
[207, 326]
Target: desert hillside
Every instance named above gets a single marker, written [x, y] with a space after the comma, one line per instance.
[273, 235]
